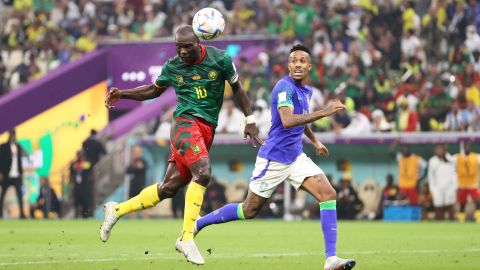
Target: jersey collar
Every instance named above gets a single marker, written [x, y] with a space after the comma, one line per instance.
[202, 56]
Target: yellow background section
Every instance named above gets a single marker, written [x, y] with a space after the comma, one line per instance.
[67, 138]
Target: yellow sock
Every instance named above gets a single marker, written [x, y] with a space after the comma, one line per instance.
[193, 204]
[461, 217]
[477, 216]
[147, 198]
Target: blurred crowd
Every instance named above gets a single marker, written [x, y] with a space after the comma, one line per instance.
[399, 65]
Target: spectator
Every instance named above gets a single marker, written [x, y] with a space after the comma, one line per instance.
[442, 183]
[82, 179]
[407, 119]
[337, 58]
[137, 172]
[214, 196]
[389, 192]
[473, 116]
[473, 39]
[410, 44]
[467, 178]
[356, 84]
[410, 173]
[92, 148]
[456, 120]
[11, 170]
[380, 123]
[263, 117]
[348, 204]
[178, 204]
[230, 119]
[47, 202]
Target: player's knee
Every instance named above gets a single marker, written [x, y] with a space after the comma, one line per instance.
[329, 194]
[166, 191]
[203, 177]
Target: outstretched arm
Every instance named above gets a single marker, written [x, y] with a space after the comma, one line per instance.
[140, 93]
[242, 99]
[289, 119]
[320, 148]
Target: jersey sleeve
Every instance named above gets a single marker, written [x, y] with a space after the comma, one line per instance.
[231, 74]
[163, 78]
[284, 97]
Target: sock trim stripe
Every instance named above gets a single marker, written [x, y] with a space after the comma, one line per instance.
[240, 211]
[328, 205]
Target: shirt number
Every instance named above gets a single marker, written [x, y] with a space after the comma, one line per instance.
[201, 91]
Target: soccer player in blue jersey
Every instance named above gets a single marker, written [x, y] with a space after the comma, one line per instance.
[281, 158]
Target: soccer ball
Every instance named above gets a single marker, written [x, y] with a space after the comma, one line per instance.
[208, 23]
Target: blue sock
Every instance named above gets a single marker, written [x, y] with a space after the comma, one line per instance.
[328, 212]
[229, 212]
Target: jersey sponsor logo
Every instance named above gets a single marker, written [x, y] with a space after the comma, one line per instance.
[196, 77]
[180, 80]
[263, 187]
[212, 75]
[196, 149]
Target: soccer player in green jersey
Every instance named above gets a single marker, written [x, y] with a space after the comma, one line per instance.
[198, 74]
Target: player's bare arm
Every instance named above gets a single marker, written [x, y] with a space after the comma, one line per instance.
[289, 119]
[242, 99]
[319, 147]
[140, 93]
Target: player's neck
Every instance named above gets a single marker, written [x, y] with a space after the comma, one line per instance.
[200, 55]
[300, 82]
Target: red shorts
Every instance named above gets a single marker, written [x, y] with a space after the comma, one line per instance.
[191, 139]
[462, 194]
[411, 194]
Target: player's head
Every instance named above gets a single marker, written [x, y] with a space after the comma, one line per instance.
[299, 63]
[405, 150]
[440, 150]
[467, 147]
[187, 43]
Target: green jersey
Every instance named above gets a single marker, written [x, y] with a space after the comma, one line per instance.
[199, 87]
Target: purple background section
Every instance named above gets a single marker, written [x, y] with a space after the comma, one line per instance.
[146, 112]
[55, 87]
[127, 61]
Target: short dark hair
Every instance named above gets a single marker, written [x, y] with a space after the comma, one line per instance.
[301, 47]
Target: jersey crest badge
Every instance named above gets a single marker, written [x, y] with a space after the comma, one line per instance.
[263, 187]
[180, 80]
[212, 75]
[196, 149]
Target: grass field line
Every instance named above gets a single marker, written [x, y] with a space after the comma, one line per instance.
[173, 256]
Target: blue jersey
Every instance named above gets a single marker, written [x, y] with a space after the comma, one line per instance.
[285, 145]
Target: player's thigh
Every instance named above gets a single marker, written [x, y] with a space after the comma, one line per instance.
[172, 181]
[475, 194]
[266, 176]
[307, 175]
[462, 194]
[190, 140]
[252, 204]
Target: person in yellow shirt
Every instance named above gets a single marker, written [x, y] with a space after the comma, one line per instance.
[411, 169]
[467, 177]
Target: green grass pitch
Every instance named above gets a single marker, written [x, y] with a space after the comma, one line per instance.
[258, 244]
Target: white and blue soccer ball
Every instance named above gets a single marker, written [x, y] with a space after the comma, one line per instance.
[208, 23]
